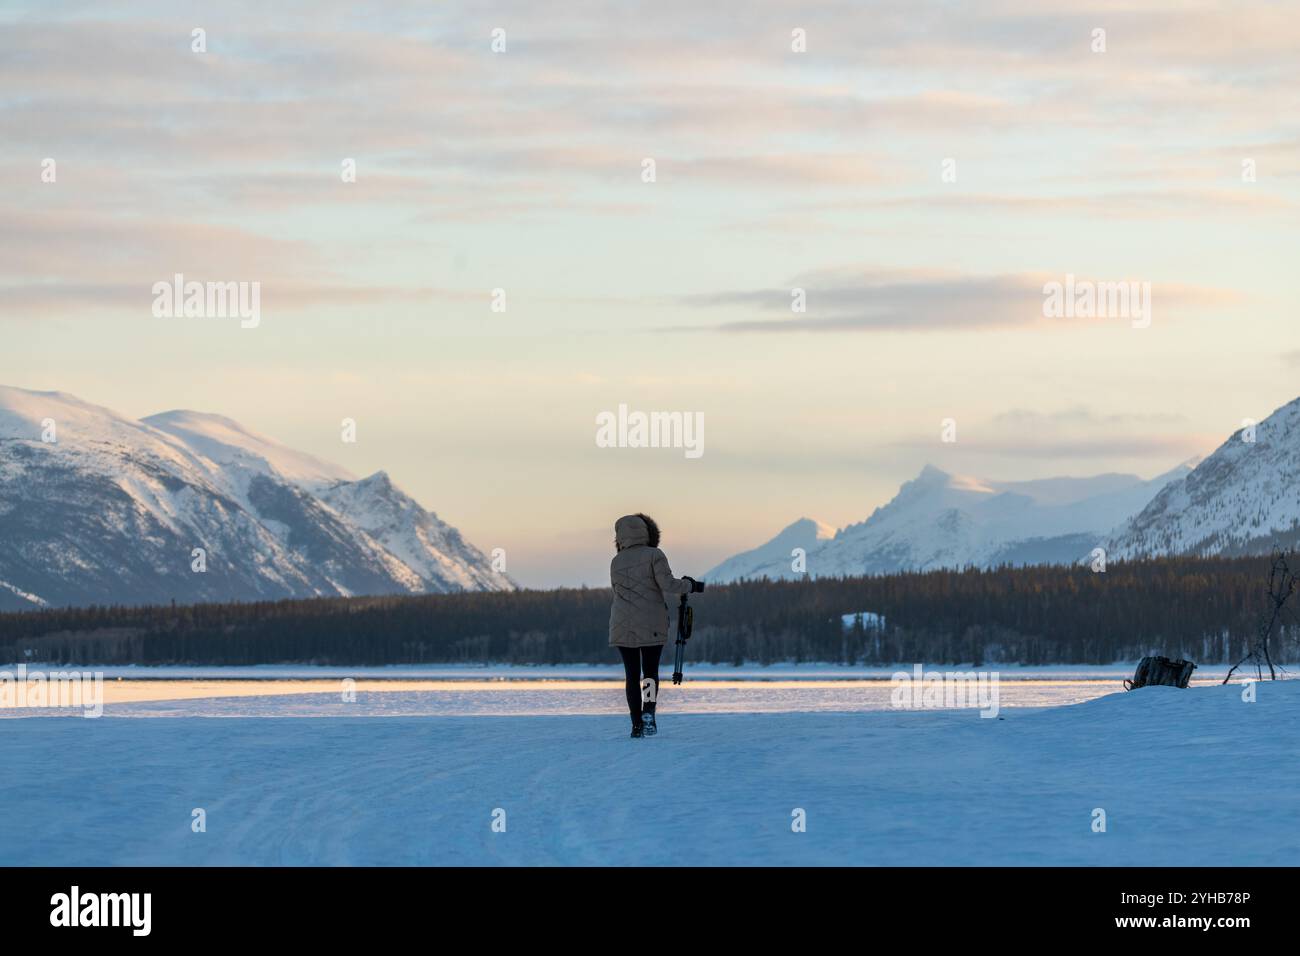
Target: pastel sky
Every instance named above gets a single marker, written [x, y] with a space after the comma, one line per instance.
[522, 170]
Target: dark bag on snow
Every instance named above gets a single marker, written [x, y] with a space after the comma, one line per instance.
[1160, 670]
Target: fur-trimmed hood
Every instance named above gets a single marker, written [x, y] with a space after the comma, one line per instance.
[630, 531]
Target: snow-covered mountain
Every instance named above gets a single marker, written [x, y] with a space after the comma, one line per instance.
[112, 509]
[938, 520]
[1242, 499]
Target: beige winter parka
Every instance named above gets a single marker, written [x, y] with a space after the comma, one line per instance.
[641, 579]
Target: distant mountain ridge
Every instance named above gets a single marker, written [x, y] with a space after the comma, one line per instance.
[111, 511]
[940, 520]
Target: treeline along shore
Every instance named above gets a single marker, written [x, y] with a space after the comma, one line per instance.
[1205, 609]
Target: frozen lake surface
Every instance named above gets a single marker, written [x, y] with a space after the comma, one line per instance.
[502, 690]
[403, 698]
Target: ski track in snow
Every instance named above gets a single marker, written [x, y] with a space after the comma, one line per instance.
[1192, 777]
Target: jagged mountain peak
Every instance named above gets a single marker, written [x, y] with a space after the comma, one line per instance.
[932, 474]
[805, 526]
[379, 481]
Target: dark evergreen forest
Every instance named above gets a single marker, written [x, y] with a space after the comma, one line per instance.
[1205, 609]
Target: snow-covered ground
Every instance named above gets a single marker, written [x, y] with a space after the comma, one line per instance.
[1185, 777]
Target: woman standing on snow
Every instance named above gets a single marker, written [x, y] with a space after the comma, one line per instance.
[638, 621]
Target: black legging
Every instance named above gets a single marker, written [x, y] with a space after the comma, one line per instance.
[639, 661]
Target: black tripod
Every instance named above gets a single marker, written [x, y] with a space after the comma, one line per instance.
[685, 620]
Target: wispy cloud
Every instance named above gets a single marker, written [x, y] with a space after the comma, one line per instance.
[1081, 415]
[895, 301]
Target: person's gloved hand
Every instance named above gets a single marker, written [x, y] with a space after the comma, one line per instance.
[696, 586]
